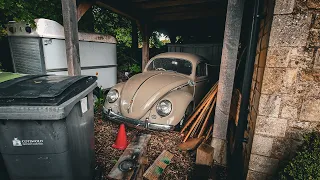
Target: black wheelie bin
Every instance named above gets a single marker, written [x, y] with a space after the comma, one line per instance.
[46, 127]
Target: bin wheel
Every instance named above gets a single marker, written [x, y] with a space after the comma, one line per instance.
[96, 94]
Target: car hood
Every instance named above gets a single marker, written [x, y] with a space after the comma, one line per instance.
[141, 91]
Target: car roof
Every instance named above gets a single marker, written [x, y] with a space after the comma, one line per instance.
[193, 58]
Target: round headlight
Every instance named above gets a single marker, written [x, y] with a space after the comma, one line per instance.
[112, 96]
[164, 108]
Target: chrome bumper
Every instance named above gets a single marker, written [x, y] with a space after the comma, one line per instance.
[136, 123]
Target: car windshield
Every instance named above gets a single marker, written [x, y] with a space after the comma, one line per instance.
[171, 64]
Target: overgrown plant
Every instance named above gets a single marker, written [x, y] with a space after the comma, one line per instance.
[99, 99]
[306, 164]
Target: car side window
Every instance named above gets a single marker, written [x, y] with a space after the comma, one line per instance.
[201, 70]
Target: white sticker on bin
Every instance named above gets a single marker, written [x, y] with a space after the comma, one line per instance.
[17, 142]
[84, 104]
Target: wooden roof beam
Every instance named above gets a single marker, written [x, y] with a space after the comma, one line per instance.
[118, 8]
[188, 15]
[169, 3]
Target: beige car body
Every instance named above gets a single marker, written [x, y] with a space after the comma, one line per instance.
[140, 95]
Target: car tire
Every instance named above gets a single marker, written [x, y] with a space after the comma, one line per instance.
[184, 119]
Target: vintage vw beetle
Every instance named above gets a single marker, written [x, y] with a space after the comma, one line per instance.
[163, 95]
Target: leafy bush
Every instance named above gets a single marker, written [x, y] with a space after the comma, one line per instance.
[99, 99]
[306, 164]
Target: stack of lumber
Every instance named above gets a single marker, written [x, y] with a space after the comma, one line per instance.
[198, 124]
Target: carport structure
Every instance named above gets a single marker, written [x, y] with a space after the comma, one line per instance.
[205, 19]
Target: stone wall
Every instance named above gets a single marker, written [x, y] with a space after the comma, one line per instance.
[287, 103]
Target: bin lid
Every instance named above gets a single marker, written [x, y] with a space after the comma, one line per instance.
[42, 90]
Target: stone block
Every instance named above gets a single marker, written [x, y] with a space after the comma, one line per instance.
[308, 75]
[272, 80]
[289, 106]
[262, 145]
[284, 7]
[253, 175]
[300, 124]
[289, 112]
[314, 37]
[281, 148]
[301, 58]
[313, 4]
[289, 81]
[308, 83]
[269, 105]
[301, 6]
[278, 57]
[316, 21]
[269, 126]
[294, 133]
[263, 164]
[310, 110]
[317, 59]
[290, 30]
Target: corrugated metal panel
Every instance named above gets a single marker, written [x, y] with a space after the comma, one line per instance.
[211, 52]
[26, 55]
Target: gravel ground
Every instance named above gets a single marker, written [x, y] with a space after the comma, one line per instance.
[105, 135]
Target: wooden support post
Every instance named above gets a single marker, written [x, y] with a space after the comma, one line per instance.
[82, 9]
[226, 79]
[145, 46]
[70, 23]
[134, 36]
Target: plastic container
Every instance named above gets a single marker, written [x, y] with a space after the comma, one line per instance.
[46, 127]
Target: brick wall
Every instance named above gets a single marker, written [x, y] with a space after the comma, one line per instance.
[285, 98]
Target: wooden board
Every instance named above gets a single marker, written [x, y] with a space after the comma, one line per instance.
[190, 144]
[158, 166]
[136, 146]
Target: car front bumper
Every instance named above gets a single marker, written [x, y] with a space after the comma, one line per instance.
[134, 122]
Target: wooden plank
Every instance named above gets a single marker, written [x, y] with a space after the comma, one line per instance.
[82, 9]
[204, 155]
[190, 144]
[158, 166]
[137, 146]
[70, 23]
[168, 3]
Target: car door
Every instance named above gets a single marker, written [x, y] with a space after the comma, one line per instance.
[201, 82]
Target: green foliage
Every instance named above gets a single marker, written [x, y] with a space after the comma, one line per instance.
[99, 101]
[107, 22]
[132, 68]
[306, 164]
[28, 10]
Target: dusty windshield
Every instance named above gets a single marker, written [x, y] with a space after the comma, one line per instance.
[171, 64]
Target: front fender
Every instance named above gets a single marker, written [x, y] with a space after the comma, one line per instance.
[180, 101]
[116, 105]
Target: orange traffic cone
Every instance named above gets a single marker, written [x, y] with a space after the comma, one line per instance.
[121, 141]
